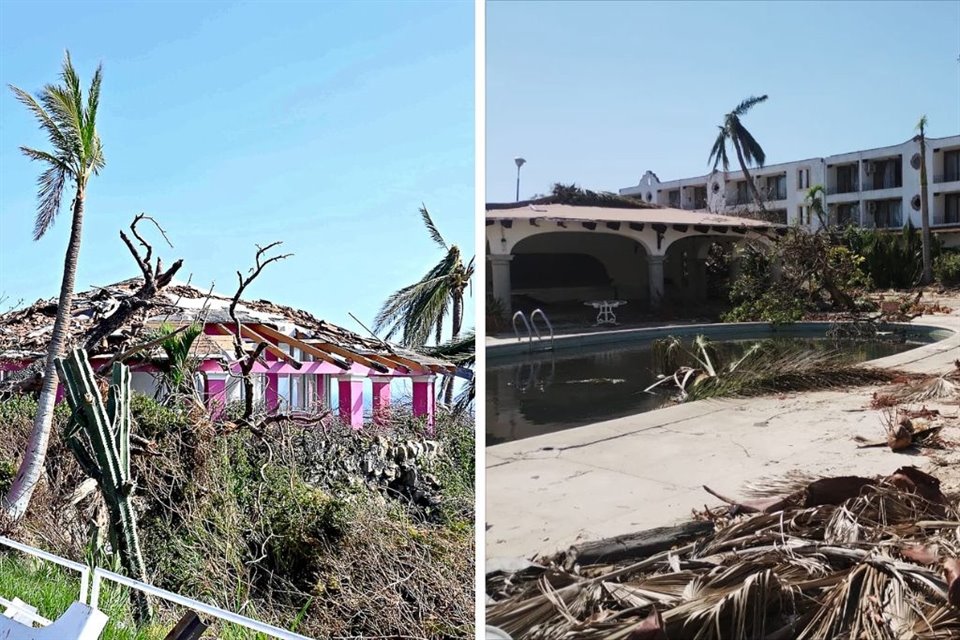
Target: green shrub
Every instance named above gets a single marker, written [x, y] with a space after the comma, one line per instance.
[946, 269]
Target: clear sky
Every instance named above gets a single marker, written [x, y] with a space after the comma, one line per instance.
[323, 125]
[598, 93]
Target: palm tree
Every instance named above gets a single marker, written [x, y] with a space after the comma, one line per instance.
[417, 311]
[76, 155]
[815, 195]
[748, 149]
[924, 210]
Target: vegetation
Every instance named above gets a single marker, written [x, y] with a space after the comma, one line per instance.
[323, 529]
[947, 269]
[746, 146]
[417, 312]
[701, 371]
[891, 260]
[69, 123]
[815, 274]
[837, 558]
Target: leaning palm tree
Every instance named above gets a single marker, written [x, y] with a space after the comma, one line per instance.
[748, 149]
[924, 210]
[417, 311]
[815, 197]
[76, 154]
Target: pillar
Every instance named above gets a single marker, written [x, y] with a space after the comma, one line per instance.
[655, 273]
[271, 389]
[500, 272]
[425, 399]
[320, 400]
[351, 400]
[215, 390]
[381, 399]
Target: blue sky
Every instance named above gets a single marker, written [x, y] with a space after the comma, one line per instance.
[598, 93]
[322, 125]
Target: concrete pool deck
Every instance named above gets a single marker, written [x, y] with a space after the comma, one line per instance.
[547, 492]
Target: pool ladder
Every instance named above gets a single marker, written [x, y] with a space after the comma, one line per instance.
[531, 327]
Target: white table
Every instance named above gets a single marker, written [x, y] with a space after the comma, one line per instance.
[605, 309]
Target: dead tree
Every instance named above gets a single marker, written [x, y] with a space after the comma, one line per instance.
[155, 278]
[246, 360]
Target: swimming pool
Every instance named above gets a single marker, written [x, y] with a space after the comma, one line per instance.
[603, 377]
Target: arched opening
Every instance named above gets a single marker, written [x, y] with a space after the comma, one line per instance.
[562, 270]
[696, 274]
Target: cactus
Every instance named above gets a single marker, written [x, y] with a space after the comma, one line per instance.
[99, 437]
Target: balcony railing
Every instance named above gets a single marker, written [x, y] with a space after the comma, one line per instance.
[946, 177]
[878, 184]
[739, 199]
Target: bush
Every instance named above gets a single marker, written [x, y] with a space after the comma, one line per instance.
[946, 269]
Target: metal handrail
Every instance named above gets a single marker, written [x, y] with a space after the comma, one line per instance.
[516, 332]
[15, 609]
[546, 321]
[82, 569]
[210, 610]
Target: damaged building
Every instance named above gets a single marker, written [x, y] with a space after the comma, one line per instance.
[306, 364]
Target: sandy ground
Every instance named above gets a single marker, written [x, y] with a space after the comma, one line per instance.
[548, 492]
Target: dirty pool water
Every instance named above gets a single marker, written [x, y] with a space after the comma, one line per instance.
[545, 392]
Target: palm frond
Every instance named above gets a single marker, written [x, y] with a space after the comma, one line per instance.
[718, 154]
[753, 153]
[50, 183]
[431, 228]
[748, 104]
[91, 141]
[57, 138]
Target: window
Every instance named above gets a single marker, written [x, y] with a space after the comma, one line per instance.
[885, 174]
[846, 214]
[777, 187]
[951, 165]
[803, 178]
[803, 215]
[700, 198]
[847, 178]
[674, 198]
[951, 212]
[886, 214]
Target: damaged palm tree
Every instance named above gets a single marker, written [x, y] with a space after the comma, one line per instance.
[765, 367]
[99, 437]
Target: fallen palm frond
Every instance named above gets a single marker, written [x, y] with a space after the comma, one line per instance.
[765, 367]
[841, 558]
[906, 429]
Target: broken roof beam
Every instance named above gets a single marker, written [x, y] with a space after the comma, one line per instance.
[248, 333]
[382, 364]
[303, 346]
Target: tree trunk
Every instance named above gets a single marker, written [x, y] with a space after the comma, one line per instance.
[17, 500]
[927, 276]
[749, 179]
[457, 321]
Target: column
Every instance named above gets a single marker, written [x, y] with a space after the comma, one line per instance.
[500, 271]
[215, 390]
[381, 399]
[320, 400]
[271, 395]
[424, 399]
[351, 400]
[655, 273]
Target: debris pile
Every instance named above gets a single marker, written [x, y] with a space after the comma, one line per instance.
[25, 333]
[845, 557]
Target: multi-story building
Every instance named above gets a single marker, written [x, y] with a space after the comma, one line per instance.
[877, 188]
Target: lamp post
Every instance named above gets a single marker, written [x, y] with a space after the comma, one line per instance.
[520, 162]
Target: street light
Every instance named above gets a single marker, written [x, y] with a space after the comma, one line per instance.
[520, 162]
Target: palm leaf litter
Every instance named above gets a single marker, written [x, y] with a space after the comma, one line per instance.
[839, 558]
[702, 370]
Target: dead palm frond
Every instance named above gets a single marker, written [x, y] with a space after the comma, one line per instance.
[835, 570]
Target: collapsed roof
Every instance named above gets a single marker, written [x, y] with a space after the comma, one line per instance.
[25, 333]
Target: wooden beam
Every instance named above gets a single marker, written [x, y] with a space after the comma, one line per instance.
[349, 355]
[247, 332]
[300, 344]
[392, 361]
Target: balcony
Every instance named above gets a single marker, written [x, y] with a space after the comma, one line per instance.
[849, 187]
[947, 177]
[739, 199]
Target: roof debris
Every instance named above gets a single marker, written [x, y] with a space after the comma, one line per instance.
[24, 333]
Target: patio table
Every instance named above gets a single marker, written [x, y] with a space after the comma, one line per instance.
[605, 309]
